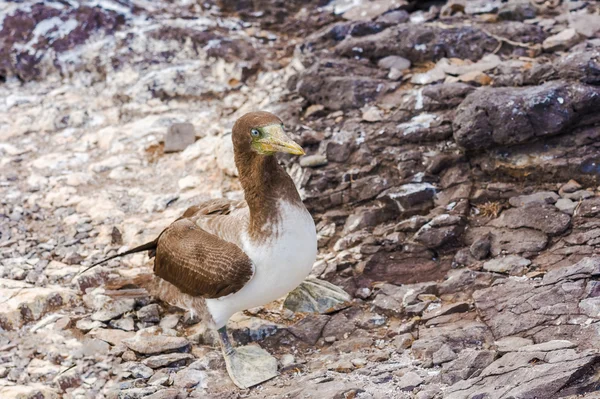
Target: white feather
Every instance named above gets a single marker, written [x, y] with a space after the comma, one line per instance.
[281, 264]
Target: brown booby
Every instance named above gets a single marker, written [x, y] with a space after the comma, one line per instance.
[221, 257]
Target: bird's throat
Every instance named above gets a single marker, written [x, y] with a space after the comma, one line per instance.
[265, 185]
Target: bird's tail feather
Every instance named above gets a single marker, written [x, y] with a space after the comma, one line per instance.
[149, 246]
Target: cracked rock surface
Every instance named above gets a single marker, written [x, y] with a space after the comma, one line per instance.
[452, 168]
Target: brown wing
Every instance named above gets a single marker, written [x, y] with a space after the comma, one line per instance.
[200, 263]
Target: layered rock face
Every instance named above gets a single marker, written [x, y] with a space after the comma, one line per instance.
[452, 171]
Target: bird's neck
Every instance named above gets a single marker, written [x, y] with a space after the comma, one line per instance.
[265, 185]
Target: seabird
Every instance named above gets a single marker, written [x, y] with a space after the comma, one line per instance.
[221, 257]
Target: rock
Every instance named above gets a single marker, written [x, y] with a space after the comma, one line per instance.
[546, 218]
[152, 344]
[113, 309]
[570, 187]
[578, 195]
[125, 324]
[113, 337]
[406, 40]
[138, 370]
[544, 110]
[23, 303]
[309, 328]
[32, 390]
[566, 205]
[169, 393]
[158, 361]
[403, 341]
[589, 207]
[189, 182]
[225, 157]
[511, 264]
[542, 197]
[179, 136]
[342, 366]
[313, 161]
[409, 196]
[458, 335]
[287, 360]
[149, 314]
[247, 329]
[372, 9]
[548, 346]
[169, 321]
[544, 379]
[585, 24]
[480, 248]
[559, 296]
[443, 355]
[339, 326]
[458, 307]
[512, 344]
[434, 237]
[409, 381]
[468, 364]
[394, 62]
[561, 41]
[509, 241]
[190, 378]
[372, 114]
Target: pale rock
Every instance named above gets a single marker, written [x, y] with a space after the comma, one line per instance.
[31, 390]
[86, 324]
[113, 309]
[138, 370]
[152, 344]
[313, 161]
[368, 10]
[166, 359]
[23, 302]
[42, 369]
[225, 159]
[125, 324]
[394, 62]
[170, 321]
[435, 74]
[287, 360]
[372, 114]
[561, 41]
[111, 336]
[189, 182]
[179, 136]
[409, 381]
[511, 264]
[566, 205]
[584, 23]
[190, 378]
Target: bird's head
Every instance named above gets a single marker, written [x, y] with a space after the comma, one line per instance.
[263, 133]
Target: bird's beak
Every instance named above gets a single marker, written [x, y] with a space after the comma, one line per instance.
[275, 140]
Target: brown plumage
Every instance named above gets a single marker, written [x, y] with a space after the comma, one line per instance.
[199, 254]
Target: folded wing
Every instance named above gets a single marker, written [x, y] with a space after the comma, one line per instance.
[200, 263]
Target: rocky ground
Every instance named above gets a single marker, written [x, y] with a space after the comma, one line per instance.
[453, 172]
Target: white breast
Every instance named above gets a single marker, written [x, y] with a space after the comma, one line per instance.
[281, 264]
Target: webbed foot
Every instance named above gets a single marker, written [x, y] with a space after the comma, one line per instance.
[250, 365]
[247, 365]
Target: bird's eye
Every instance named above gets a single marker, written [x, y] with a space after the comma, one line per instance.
[255, 133]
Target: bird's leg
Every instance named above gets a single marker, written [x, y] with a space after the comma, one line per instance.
[225, 342]
[247, 365]
[317, 296]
